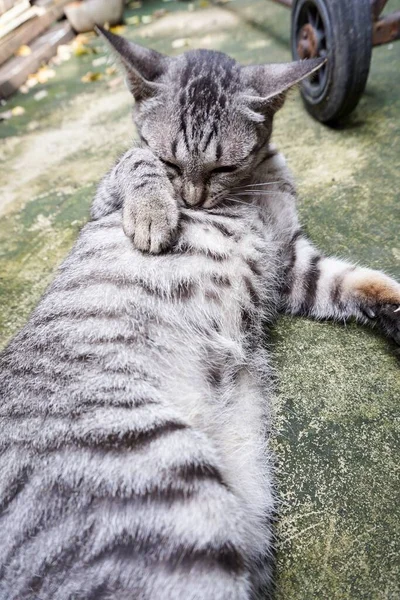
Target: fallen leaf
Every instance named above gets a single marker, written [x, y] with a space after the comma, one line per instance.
[111, 70]
[204, 3]
[180, 43]
[80, 49]
[41, 94]
[133, 5]
[31, 81]
[84, 38]
[17, 111]
[24, 89]
[23, 50]
[44, 74]
[118, 29]
[41, 76]
[146, 19]
[135, 20]
[64, 51]
[91, 76]
[97, 62]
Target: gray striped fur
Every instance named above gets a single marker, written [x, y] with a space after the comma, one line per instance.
[135, 402]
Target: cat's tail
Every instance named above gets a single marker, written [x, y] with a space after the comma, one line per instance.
[134, 507]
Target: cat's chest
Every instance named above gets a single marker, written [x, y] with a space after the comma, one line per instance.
[236, 258]
[219, 266]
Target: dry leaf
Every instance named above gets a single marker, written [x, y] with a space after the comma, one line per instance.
[31, 81]
[204, 3]
[17, 111]
[23, 50]
[44, 74]
[135, 20]
[180, 43]
[84, 38]
[118, 29]
[80, 49]
[64, 51]
[98, 62]
[111, 70]
[91, 76]
[41, 76]
[41, 94]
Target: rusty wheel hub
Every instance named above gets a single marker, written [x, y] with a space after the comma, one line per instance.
[307, 46]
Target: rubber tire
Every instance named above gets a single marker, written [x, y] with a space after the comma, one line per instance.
[348, 29]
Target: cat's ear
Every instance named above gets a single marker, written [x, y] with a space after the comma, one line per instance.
[142, 66]
[271, 82]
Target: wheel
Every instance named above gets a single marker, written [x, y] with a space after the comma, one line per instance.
[342, 31]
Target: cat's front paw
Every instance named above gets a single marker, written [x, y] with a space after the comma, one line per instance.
[379, 299]
[151, 221]
[388, 318]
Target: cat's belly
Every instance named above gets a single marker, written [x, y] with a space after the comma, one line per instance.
[116, 318]
[124, 344]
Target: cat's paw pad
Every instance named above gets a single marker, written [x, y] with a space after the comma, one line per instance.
[388, 318]
[151, 221]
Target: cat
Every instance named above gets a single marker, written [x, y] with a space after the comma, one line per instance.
[135, 403]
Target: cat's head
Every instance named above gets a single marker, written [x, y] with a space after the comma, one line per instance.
[206, 117]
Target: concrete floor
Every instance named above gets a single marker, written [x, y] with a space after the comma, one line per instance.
[337, 437]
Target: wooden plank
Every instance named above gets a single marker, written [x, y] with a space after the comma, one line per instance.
[12, 14]
[15, 72]
[26, 15]
[28, 31]
[6, 5]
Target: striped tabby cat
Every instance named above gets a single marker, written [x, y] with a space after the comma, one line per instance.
[134, 404]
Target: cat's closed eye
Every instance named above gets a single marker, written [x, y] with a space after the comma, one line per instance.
[225, 169]
[171, 165]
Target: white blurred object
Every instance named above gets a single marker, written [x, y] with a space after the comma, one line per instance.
[83, 16]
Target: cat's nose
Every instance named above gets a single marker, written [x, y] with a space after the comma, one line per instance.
[189, 202]
[193, 195]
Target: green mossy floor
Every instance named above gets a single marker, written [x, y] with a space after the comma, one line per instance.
[337, 410]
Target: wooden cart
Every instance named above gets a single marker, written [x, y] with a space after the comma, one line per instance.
[344, 31]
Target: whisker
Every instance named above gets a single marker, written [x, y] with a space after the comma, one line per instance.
[237, 201]
[256, 193]
[217, 197]
[251, 185]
